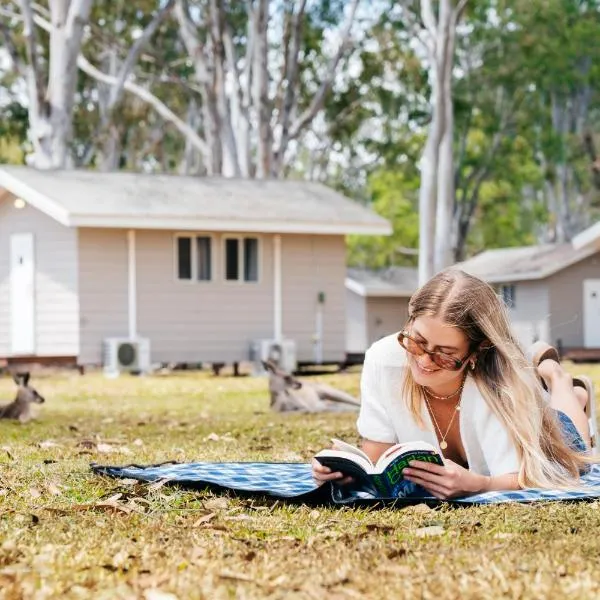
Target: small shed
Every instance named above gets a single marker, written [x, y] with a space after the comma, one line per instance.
[552, 292]
[376, 305]
[201, 269]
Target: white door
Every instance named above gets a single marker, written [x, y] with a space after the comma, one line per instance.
[22, 302]
[591, 313]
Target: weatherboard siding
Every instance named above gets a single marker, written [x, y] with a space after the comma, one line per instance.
[384, 316]
[206, 321]
[196, 321]
[566, 301]
[530, 317]
[102, 289]
[313, 264]
[356, 323]
[56, 280]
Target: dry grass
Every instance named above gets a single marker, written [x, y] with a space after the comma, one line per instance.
[64, 533]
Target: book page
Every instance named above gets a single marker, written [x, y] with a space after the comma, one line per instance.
[341, 445]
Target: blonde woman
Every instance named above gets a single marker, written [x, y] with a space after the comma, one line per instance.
[456, 377]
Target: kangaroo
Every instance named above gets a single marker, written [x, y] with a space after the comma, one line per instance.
[20, 407]
[289, 394]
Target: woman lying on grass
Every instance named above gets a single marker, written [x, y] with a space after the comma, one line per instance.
[456, 377]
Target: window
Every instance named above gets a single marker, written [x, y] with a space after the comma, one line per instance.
[204, 251]
[184, 257]
[507, 292]
[194, 258]
[241, 259]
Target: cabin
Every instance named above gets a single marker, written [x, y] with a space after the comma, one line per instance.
[98, 267]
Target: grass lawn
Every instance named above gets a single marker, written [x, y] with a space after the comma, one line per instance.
[66, 533]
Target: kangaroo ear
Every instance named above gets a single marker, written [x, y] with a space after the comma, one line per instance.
[16, 378]
[26, 378]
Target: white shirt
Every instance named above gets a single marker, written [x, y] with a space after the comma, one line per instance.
[384, 416]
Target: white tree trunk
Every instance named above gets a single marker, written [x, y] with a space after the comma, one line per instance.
[51, 110]
[445, 236]
[437, 194]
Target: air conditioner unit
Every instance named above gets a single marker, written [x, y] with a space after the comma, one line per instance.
[282, 353]
[124, 354]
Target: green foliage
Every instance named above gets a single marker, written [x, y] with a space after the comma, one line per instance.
[393, 197]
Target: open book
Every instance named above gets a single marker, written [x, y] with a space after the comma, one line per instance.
[384, 478]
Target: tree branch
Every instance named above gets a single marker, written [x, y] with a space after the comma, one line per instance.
[135, 50]
[319, 98]
[36, 77]
[145, 95]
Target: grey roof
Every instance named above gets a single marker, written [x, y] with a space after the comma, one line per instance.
[588, 237]
[523, 263]
[391, 281]
[118, 199]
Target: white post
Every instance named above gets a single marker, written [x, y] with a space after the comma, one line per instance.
[277, 293]
[319, 335]
[131, 288]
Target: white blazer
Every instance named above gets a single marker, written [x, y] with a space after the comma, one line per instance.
[384, 416]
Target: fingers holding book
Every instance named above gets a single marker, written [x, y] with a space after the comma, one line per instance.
[446, 481]
[321, 474]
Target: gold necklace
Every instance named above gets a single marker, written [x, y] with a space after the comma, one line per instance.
[458, 391]
[443, 443]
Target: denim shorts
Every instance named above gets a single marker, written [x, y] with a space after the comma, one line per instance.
[571, 435]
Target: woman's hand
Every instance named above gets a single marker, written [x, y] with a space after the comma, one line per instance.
[322, 474]
[448, 481]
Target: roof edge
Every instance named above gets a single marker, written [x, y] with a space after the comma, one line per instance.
[374, 292]
[187, 224]
[542, 274]
[587, 237]
[39, 201]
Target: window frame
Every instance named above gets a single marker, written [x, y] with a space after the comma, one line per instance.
[509, 298]
[241, 256]
[194, 257]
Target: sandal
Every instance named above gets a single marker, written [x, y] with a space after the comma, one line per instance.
[541, 351]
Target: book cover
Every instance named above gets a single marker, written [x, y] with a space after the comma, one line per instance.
[384, 478]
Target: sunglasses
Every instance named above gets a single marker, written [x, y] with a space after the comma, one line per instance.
[444, 361]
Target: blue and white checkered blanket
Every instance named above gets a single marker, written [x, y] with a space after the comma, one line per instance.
[293, 481]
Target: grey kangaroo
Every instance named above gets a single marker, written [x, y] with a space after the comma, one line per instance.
[289, 394]
[20, 407]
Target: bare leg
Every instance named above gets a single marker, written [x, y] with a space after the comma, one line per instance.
[563, 396]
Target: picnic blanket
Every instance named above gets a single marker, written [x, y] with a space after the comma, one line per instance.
[293, 482]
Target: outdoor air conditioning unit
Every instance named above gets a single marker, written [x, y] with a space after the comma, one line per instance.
[124, 354]
[282, 353]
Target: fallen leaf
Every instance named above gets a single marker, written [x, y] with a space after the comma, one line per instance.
[430, 531]
[104, 448]
[204, 519]
[156, 485]
[137, 442]
[35, 493]
[234, 576]
[48, 444]
[73, 428]
[212, 437]
[53, 489]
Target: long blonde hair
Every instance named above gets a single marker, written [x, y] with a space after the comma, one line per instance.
[503, 375]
